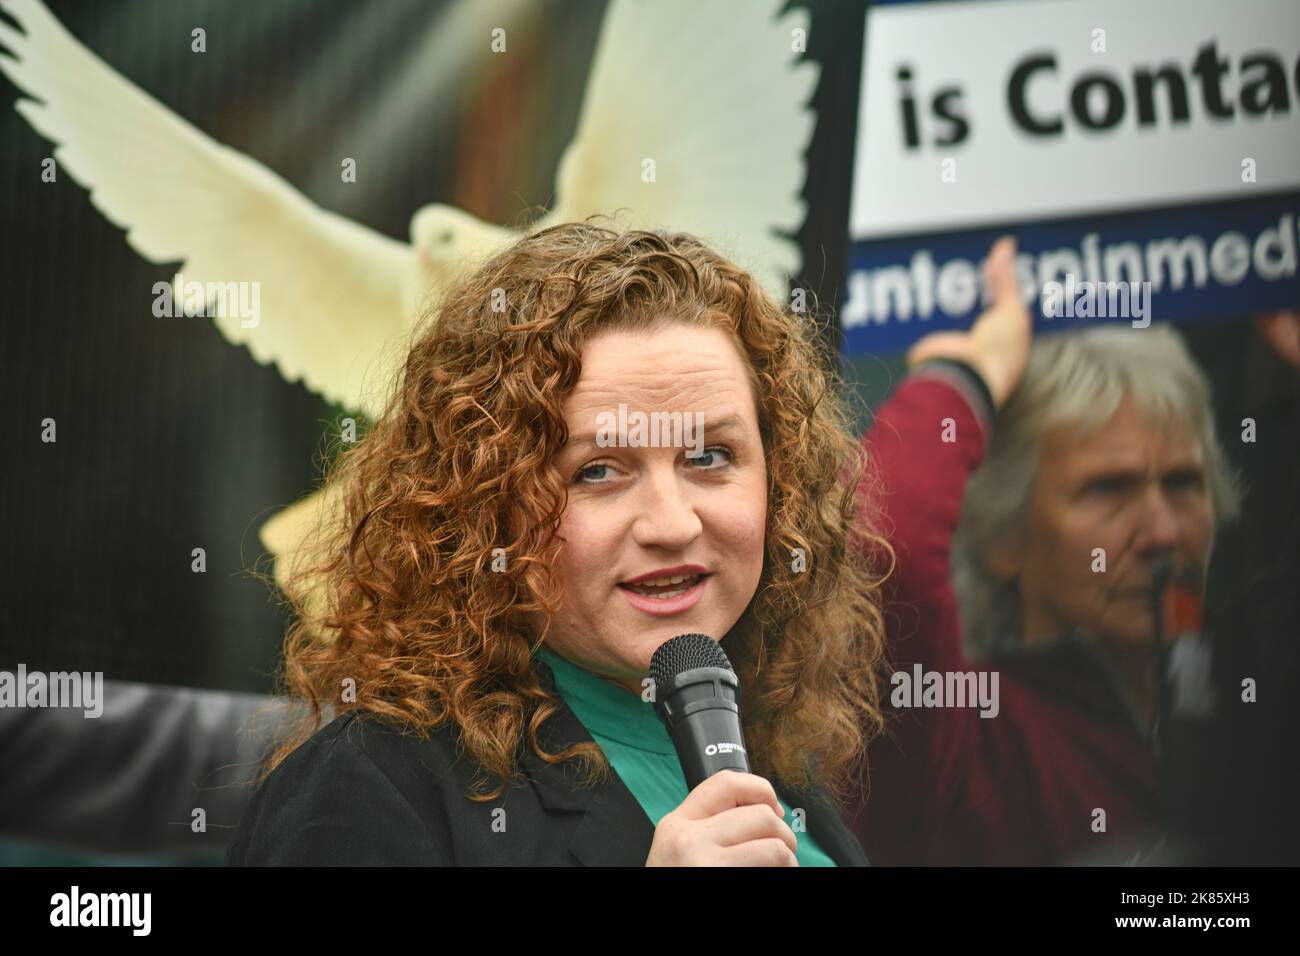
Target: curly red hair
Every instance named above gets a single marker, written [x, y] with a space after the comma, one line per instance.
[411, 617]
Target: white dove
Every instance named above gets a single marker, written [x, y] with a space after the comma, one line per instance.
[713, 92]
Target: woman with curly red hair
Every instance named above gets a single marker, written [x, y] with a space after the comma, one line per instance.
[482, 612]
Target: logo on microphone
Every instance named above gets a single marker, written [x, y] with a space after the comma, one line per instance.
[712, 750]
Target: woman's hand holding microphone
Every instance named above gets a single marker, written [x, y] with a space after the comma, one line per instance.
[731, 819]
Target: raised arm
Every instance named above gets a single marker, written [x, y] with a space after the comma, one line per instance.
[925, 442]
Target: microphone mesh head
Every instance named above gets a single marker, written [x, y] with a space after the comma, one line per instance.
[683, 653]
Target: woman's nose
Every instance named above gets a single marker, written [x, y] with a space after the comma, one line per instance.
[1159, 529]
[665, 512]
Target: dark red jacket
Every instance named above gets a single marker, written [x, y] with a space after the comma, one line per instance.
[948, 786]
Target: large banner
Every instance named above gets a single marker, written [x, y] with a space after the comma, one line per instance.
[1146, 153]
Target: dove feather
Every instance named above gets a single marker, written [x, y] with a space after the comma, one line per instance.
[720, 102]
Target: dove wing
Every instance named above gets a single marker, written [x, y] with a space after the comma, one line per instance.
[715, 95]
[333, 294]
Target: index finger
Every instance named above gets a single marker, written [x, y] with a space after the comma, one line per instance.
[1000, 272]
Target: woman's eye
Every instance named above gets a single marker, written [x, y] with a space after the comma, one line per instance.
[579, 477]
[707, 459]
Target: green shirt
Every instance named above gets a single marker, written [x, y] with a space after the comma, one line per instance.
[638, 745]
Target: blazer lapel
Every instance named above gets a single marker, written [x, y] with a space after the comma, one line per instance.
[614, 830]
[827, 828]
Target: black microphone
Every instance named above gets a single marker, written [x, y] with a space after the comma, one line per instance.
[697, 696]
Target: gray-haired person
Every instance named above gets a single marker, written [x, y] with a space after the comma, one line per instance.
[1023, 642]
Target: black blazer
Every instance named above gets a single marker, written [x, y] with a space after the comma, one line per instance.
[363, 792]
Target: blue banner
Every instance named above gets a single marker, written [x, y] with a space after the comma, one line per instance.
[1213, 260]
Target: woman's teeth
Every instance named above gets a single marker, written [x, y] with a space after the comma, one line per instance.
[654, 588]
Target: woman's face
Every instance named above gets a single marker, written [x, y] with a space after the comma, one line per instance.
[656, 504]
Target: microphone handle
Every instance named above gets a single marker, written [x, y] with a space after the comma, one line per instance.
[708, 741]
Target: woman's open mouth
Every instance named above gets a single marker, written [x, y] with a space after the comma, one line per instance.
[666, 595]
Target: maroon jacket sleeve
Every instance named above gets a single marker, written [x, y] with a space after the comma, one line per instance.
[925, 442]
